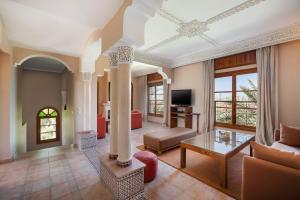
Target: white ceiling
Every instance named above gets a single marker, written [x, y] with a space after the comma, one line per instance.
[43, 64]
[226, 23]
[61, 26]
[140, 69]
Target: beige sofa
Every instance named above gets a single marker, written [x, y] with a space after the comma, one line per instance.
[167, 139]
[263, 180]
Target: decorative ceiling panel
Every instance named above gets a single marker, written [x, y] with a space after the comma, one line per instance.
[210, 28]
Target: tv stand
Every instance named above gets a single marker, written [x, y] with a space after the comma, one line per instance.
[181, 112]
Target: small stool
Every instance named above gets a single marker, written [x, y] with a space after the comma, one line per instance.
[150, 160]
[86, 140]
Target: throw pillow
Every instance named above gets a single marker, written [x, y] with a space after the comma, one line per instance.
[289, 135]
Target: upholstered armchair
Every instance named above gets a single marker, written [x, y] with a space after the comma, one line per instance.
[101, 126]
[136, 119]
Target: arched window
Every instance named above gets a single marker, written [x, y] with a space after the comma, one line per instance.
[47, 125]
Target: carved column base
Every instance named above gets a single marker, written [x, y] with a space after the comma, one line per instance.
[124, 164]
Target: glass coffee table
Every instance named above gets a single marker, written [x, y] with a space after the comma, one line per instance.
[219, 144]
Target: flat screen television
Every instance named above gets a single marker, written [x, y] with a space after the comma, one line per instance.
[182, 97]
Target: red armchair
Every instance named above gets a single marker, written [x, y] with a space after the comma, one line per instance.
[136, 119]
[101, 127]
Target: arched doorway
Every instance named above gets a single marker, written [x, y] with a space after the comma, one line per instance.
[45, 88]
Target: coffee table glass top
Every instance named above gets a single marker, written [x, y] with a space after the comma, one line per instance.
[219, 141]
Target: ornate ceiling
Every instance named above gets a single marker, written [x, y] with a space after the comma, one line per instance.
[185, 32]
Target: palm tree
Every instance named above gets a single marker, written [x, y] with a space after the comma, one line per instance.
[244, 115]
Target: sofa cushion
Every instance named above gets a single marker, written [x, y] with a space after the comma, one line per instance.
[284, 147]
[289, 135]
[286, 158]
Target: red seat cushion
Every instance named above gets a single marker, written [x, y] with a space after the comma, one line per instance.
[150, 160]
[101, 126]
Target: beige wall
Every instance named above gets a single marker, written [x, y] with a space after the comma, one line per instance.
[39, 90]
[289, 83]
[4, 44]
[189, 77]
[139, 101]
[102, 91]
[113, 31]
[5, 114]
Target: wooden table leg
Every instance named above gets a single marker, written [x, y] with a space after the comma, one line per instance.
[182, 157]
[223, 172]
[251, 151]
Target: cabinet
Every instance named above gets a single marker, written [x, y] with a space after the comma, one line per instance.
[181, 112]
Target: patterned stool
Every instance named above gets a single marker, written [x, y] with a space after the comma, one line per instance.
[86, 140]
[150, 160]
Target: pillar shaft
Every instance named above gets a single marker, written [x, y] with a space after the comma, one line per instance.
[124, 58]
[124, 92]
[114, 114]
[87, 84]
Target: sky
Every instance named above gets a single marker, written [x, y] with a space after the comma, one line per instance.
[224, 83]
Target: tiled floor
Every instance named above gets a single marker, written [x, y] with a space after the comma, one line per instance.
[65, 173]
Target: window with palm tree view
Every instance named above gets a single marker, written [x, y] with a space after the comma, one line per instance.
[156, 99]
[236, 98]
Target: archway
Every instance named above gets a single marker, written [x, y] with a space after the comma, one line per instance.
[44, 81]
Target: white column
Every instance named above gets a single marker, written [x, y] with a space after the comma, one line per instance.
[124, 58]
[113, 152]
[87, 87]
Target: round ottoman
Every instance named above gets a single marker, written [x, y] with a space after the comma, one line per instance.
[150, 160]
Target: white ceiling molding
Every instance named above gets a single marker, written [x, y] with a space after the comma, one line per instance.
[233, 11]
[198, 28]
[287, 34]
[151, 60]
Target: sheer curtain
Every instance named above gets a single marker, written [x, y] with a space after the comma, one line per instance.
[145, 97]
[207, 118]
[267, 98]
[166, 102]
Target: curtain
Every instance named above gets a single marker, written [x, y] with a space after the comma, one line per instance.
[267, 97]
[145, 97]
[166, 102]
[207, 117]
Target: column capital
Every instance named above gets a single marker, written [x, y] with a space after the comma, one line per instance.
[125, 54]
[113, 62]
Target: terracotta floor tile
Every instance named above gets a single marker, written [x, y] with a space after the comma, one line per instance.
[65, 173]
[40, 184]
[41, 195]
[60, 190]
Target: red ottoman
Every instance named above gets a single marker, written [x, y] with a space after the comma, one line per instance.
[150, 160]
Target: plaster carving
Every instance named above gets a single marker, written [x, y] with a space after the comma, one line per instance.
[192, 29]
[125, 55]
[167, 15]
[283, 35]
[234, 10]
[286, 34]
[112, 57]
[198, 28]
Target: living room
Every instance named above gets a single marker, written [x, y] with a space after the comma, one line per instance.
[150, 100]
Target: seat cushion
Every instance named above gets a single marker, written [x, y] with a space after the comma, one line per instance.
[286, 158]
[289, 135]
[168, 138]
[284, 147]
